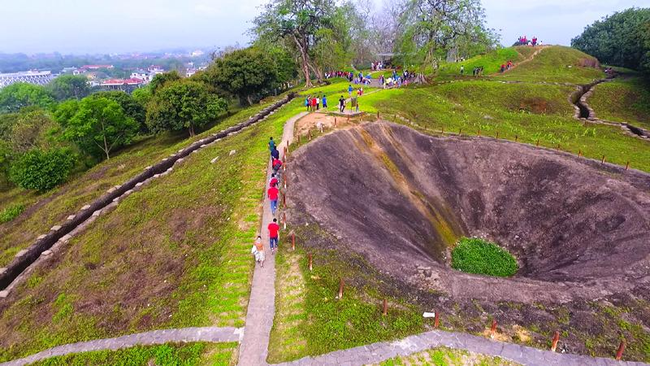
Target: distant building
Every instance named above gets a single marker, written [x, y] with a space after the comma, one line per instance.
[69, 70]
[96, 67]
[141, 75]
[30, 77]
[197, 53]
[127, 85]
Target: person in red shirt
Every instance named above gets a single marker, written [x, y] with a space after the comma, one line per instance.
[274, 180]
[273, 194]
[274, 235]
[277, 164]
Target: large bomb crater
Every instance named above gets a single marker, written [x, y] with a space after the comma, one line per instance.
[579, 229]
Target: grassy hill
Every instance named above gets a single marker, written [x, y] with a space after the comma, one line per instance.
[623, 100]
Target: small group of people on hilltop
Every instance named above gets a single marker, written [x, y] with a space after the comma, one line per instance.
[397, 79]
[313, 103]
[273, 194]
[524, 41]
[507, 66]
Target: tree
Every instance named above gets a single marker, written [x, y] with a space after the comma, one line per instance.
[100, 125]
[622, 39]
[69, 87]
[429, 29]
[131, 107]
[42, 170]
[159, 81]
[246, 73]
[20, 95]
[299, 23]
[31, 131]
[184, 104]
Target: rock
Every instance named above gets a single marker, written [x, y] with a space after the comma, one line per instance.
[85, 207]
[21, 253]
[56, 228]
[97, 213]
[3, 270]
[139, 184]
[46, 253]
[117, 199]
[156, 175]
[202, 146]
[214, 160]
[41, 237]
[4, 294]
[180, 161]
[111, 190]
[65, 238]
[147, 168]
[233, 152]
[71, 217]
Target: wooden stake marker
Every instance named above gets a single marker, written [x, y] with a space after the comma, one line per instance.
[385, 311]
[516, 138]
[284, 200]
[627, 166]
[284, 220]
[621, 349]
[311, 263]
[579, 153]
[603, 159]
[341, 286]
[537, 144]
[293, 241]
[309, 134]
[460, 131]
[556, 338]
[497, 135]
[436, 320]
[493, 329]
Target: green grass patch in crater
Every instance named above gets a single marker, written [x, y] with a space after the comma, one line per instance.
[473, 255]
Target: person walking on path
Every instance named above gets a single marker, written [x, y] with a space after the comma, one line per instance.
[274, 235]
[273, 181]
[276, 165]
[324, 101]
[341, 104]
[271, 144]
[307, 104]
[258, 251]
[273, 194]
[275, 154]
[350, 89]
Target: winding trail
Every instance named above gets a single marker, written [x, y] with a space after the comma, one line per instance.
[205, 334]
[254, 348]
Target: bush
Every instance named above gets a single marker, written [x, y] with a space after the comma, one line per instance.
[11, 213]
[41, 170]
[478, 256]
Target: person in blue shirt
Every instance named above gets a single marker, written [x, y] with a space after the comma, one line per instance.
[350, 89]
[324, 99]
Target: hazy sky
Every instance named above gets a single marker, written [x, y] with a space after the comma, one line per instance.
[107, 26]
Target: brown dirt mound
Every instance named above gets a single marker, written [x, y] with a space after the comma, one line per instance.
[580, 229]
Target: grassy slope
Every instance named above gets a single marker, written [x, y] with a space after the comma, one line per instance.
[175, 254]
[626, 100]
[164, 355]
[491, 62]
[555, 64]
[53, 207]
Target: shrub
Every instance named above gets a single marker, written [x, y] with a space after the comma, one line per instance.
[473, 255]
[11, 213]
[41, 170]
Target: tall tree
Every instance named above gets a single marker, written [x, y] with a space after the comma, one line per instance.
[184, 104]
[69, 87]
[20, 95]
[300, 22]
[429, 29]
[622, 39]
[100, 125]
[159, 81]
[246, 73]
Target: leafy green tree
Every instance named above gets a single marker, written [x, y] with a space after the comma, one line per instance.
[65, 111]
[429, 29]
[621, 39]
[298, 23]
[184, 104]
[132, 108]
[69, 87]
[142, 96]
[31, 130]
[100, 125]
[42, 170]
[20, 95]
[159, 81]
[246, 73]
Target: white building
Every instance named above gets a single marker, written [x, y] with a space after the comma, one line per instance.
[30, 77]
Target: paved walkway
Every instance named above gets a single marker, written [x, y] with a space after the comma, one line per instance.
[206, 334]
[261, 307]
[382, 351]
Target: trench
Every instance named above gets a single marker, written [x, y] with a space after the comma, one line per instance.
[45, 242]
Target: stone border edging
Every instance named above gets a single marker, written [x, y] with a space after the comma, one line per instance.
[61, 232]
[378, 352]
[155, 337]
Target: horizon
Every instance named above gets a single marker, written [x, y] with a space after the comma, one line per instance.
[164, 24]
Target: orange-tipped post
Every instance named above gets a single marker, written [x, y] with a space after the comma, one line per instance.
[621, 349]
[627, 166]
[311, 262]
[436, 320]
[493, 329]
[556, 338]
[341, 286]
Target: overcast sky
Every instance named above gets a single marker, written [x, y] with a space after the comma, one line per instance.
[107, 26]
